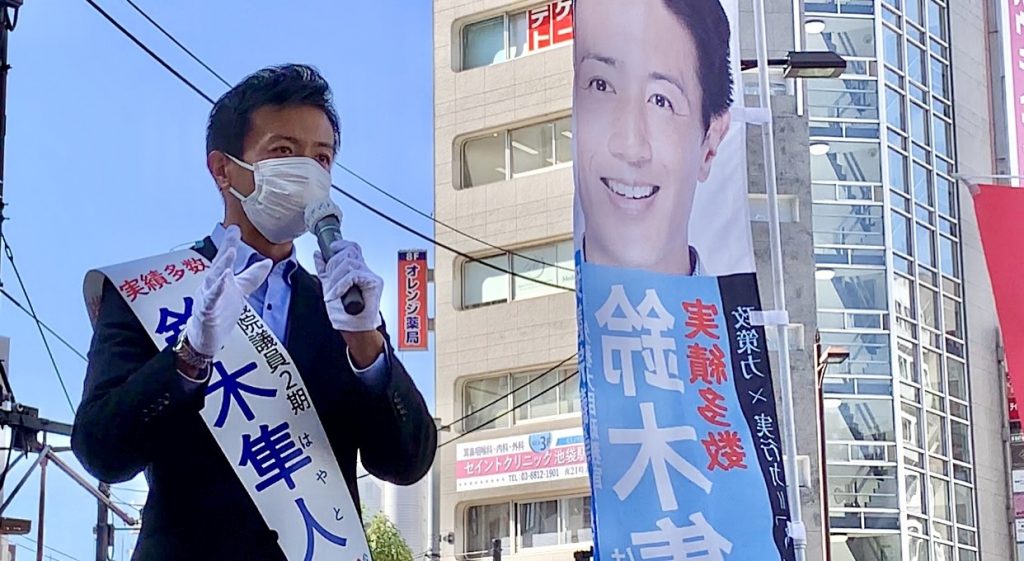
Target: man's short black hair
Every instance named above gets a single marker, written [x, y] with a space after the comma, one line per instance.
[709, 26]
[286, 85]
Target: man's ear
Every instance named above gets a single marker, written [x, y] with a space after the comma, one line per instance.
[716, 132]
[217, 163]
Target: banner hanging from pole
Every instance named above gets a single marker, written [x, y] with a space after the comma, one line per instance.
[681, 433]
[412, 300]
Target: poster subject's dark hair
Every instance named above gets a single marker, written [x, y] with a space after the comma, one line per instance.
[709, 26]
[288, 85]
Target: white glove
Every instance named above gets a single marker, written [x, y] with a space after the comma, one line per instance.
[221, 297]
[345, 269]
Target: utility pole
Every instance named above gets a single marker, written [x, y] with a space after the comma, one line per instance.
[8, 19]
[104, 530]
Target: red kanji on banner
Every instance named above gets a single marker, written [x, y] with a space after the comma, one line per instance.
[725, 451]
[700, 318]
[132, 289]
[174, 272]
[154, 280]
[713, 409]
[707, 365]
[194, 266]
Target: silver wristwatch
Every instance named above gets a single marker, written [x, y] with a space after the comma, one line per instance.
[189, 355]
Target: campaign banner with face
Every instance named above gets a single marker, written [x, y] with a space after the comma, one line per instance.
[681, 432]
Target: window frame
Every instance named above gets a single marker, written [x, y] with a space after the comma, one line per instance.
[511, 278]
[506, 133]
[510, 399]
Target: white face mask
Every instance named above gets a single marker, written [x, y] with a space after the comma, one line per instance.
[284, 188]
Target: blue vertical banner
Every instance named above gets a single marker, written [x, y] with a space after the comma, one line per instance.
[680, 425]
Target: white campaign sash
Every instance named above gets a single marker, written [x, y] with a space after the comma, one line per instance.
[257, 409]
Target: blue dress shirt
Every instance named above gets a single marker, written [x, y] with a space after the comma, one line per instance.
[272, 298]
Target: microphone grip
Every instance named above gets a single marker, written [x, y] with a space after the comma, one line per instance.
[327, 232]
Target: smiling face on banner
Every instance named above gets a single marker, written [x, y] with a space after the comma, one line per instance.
[650, 112]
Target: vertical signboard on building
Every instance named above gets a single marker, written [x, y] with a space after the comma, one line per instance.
[549, 24]
[681, 432]
[1012, 16]
[412, 300]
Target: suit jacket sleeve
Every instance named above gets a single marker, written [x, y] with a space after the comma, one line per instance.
[131, 388]
[400, 439]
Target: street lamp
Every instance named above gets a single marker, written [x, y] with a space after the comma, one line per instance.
[805, 64]
[830, 356]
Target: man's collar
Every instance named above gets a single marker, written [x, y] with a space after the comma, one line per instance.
[247, 255]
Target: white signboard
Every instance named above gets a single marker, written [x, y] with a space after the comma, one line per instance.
[528, 458]
[1018, 481]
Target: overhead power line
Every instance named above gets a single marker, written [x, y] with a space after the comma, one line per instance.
[340, 165]
[22, 307]
[39, 325]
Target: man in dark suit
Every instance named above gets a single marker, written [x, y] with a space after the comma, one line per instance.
[271, 141]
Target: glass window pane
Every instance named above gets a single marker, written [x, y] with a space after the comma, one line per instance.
[917, 64]
[852, 486]
[477, 394]
[483, 43]
[925, 246]
[898, 171]
[940, 499]
[922, 184]
[911, 425]
[883, 547]
[940, 130]
[533, 147]
[485, 523]
[859, 419]
[956, 378]
[483, 160]
[538, 524]
[936, 431]
[901, 233]
[960, 437]
[932, 367]
[848, 161]
[946, 191]
[915, 502]
[569, 397]
[893, 47]
[944, 552]
[837, 224]
[576, 513]
[918, 549]
[919, 123]
[964, 505]
[904, 296]
[951, 312]
[928, 302]
[940, 78]
[518, 34]
[482, 284]
[894, 111]
[544, 403]
[937, 20]
[540, 264]
[563, 140]
[948, 253]
[857, 289]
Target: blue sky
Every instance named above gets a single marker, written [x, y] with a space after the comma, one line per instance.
[105, 163]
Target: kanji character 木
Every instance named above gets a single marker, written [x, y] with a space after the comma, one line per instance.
[233, 389]
[747, 341]
[699, 542]
[174, 272]
[656, 452]
[154, 280]
[725, 451]
[713, 409]
[274, 456]
[749, 367]
[262, 341]
[172, 323]
[700, 318]
[299, 401]
[707, 365]
[194, 265]
[132, 289]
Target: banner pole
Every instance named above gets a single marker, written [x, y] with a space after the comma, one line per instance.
[797, 531]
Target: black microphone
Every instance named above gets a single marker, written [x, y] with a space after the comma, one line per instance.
[323, 220]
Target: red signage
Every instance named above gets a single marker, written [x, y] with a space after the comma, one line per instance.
[550, 24]
[412, 300]
[999, 210]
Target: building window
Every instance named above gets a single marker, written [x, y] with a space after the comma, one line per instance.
[543, 523]
[514, 34]
[502, 155]
[562, 400]
[539, 271]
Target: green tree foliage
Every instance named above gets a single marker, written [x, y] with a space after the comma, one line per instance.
[386, 544]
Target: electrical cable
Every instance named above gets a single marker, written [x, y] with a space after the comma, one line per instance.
[341, 166]
[46, 342]
[20, 306]
[53, 549]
